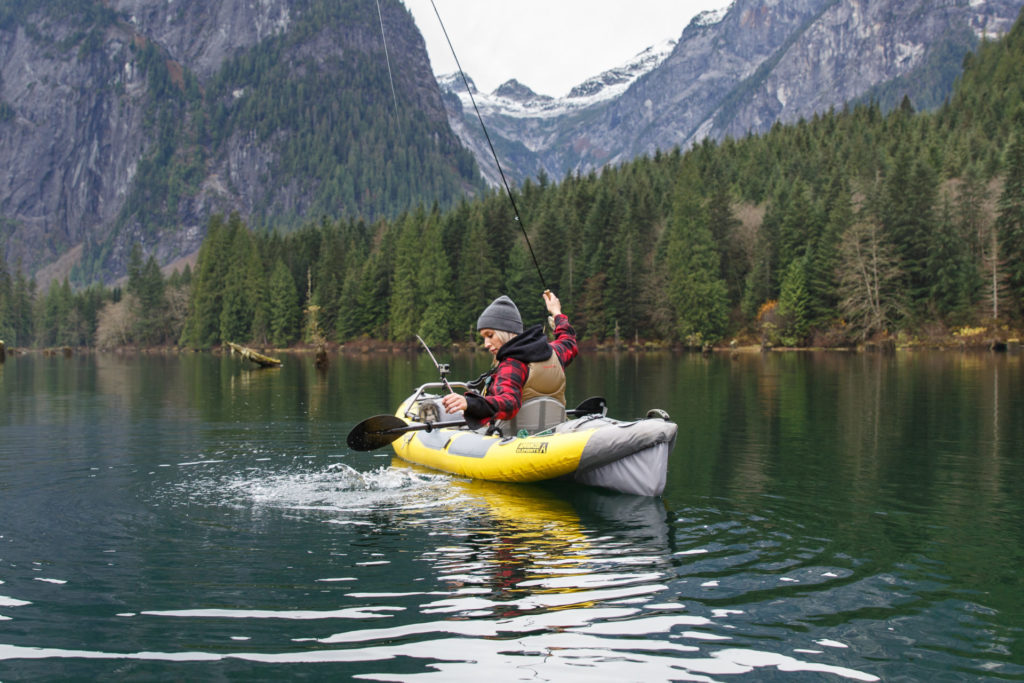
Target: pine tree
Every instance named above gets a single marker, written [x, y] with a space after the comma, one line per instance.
[798, 231]
[405, 305]
[135, 264]
[1010, 219]
[620, 293]
[257, 288]
[522, 283]
[479, 276]
[23, 302]
[591, 317]
[723, 224]
[795, 303]
[202, 328]
[284, 306]
[695, 289]
[435, 279]
[351, 319]
[237, 311]
[577, 194]
[328, 276]
[907, 214]
[6, 304]
[824, 259]
[604, 215]
[550, 238]
[53, 329]
[952, 269]
[374, 295]
[146, 285]
[761, 283]
[974, 223]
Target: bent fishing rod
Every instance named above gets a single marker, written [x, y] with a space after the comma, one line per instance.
[480, 118]
[504, 180]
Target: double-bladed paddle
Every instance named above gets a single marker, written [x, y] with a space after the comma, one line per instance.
[380, 430]
[590, 406]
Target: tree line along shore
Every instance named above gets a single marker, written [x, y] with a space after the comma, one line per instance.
[859, 228]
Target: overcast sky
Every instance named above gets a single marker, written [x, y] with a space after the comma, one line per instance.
[548, 45]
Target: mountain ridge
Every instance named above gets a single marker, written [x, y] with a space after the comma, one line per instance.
[740, 69]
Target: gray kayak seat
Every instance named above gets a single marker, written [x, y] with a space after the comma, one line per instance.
[535, 415]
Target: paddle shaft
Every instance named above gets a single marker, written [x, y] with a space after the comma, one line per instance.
[588, 407]
[424, 427]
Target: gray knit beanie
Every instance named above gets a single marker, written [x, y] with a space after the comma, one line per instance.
[502, 314]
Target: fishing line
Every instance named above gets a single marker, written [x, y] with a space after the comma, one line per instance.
[515, 209]
[387, 58]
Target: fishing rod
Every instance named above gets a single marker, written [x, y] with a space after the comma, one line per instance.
[504, 181]
[480, 118]
[442, 368]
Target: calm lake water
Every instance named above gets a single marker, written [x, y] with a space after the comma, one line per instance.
[827, 517]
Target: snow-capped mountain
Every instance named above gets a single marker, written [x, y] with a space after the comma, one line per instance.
[514, 99]
[733, 71]
[709, 17]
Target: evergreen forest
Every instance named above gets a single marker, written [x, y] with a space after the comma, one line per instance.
[314, 112]
[858, 225]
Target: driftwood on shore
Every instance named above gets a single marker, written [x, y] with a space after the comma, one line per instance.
[254, 356]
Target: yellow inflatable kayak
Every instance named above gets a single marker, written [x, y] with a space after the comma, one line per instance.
[626, 456]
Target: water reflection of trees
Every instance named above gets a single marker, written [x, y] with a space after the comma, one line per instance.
[895, 458]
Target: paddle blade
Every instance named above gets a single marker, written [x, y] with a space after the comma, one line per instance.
[376, 432]
[591, 406]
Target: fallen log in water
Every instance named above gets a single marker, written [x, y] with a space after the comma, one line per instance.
[254, 356]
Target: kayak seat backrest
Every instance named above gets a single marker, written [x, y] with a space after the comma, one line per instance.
[536, 415]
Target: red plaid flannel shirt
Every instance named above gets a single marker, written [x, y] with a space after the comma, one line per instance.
[504, 394]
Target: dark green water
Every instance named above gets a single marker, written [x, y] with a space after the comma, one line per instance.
[827, 517]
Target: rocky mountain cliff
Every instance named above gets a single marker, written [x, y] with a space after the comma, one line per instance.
[739, 71]
[131, 121]
[125, 121]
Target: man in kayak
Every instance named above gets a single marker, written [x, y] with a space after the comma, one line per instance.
[526, 365]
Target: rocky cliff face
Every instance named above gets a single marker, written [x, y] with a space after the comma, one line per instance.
[202, 34]
[109, 110]
[851, 48]
[741, 70]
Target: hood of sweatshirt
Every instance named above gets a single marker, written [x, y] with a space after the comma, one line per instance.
[529, 347]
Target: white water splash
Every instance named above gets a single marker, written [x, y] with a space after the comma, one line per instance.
[337, 487]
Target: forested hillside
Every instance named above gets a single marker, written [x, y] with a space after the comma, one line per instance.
[851, 226]
[133, 121]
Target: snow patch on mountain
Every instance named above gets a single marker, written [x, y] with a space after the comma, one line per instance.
[516, 100]
[710, 17]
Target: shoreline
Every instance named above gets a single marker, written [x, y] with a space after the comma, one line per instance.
[370, 346]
